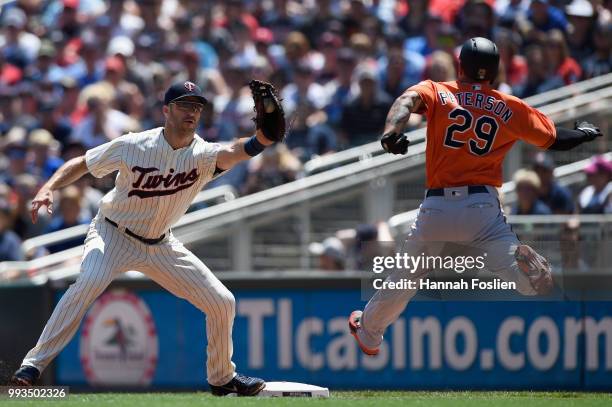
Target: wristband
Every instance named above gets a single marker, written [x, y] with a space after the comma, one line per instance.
[253, 147]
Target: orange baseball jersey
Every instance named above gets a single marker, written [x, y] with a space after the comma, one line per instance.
[470, 129]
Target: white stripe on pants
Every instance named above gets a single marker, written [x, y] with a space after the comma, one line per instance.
[108, 253]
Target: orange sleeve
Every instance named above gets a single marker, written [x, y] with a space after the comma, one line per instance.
[427, 91]
[537, 128]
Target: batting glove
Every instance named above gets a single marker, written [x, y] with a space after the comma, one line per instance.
[590, 130]
[395, 143]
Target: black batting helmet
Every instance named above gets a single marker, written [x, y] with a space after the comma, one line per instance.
[479, 59]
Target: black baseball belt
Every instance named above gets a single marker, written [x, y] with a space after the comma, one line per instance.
[135, 236]
[472, 189]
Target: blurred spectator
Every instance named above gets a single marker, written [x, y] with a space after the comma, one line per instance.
[330, 45]
[281, 24]
[67, 109]
[7, 194]
[101, 124]
[90, 197]
[205, 78]
[538, 77]
[73, 149]
[143, 66]
[581, 16]
[50, 120]
[131, 102]
[275, 166]
[600, 63]
[318, 21]
[301, 100]
[115, 75]
[263, 38]
[558, 198]
[297, 50]
[45, 67]
[26, 187]
[557, 55]
[354, 249]
[500, 83]
[331, 254]
[364, 115]
[440, 67]
[572, 260]
[414, 21]
[476, 19]
[365, 242]
[546, 17]
[597, 196]
[19, 47]
[69, 22]
[9, 75]
[69, 215]
[363, 46]
[188, 28]
[435, 33]
[244, 47]
[43, 148]
[399, 68]
[339, 89]
[90, 70]
[527, 185]
[354, 16]
[10, 244]
[236, 13]
[233, 109]
[515, 66]
[14, 149]
[511, 12]
[26, 105]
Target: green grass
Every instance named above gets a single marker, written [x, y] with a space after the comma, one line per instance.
[347, 398]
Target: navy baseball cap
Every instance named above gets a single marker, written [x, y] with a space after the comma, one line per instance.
[182, 90]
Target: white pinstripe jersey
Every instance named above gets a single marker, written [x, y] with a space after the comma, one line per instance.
[155, 184]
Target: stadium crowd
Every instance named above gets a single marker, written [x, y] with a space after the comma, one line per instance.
[77, 73]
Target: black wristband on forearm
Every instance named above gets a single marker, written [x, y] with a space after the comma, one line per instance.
[567, 139]
[253, 147]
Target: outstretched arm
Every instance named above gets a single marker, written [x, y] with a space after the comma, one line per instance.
[242, 149]
[65, 175]
[393, 139]
[567, 139]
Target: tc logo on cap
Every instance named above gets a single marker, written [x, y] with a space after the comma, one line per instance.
[190, 86]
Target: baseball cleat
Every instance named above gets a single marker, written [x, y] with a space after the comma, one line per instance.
[25, 376]
[354, 325]
[240, 385]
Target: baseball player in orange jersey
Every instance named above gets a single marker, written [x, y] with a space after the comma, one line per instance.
[160, 171]
[470, 128]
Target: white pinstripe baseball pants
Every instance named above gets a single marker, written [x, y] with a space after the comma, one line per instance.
[108, 253]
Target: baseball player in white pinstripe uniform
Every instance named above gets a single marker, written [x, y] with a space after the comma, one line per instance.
[160, 172]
